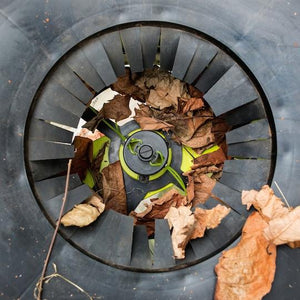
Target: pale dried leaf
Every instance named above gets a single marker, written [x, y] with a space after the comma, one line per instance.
[182, 221]
[246, 272]
[97, 202]
[265, 202]
[208, 219]
[284, 229]
[81, 215]
[84, 132]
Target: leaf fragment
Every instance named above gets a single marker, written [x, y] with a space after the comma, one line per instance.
[247, 270]
[182, 221]
[208, 219]
[284, 229]
[81, 215]
[113, 188]
[265, 202]
[158, 208]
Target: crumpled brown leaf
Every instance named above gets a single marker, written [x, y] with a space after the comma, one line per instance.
[125, 85]
[214, 158]
[182, 221]
[149, 123]
[208, 219]
[199, 188]
[117, 108]
[81, 160]
[113, 189]
[284, 229]
[193, 104]
[265, 202]
[158, 209]
[82, 215]
[202, 137]
[166, 93]
[247, 270]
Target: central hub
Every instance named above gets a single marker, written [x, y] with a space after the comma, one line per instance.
[145, 153]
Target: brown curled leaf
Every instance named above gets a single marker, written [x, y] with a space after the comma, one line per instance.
[247, 270]
[149, 123]
[113, 188]
[202, 137]
[193, 104]
[158, 208]
[117, 108]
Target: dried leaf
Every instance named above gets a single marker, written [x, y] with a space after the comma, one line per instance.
[193, 104]
[194, 92]
[202, 137]
[84, 132]
[166, 93]
[148, 123]
[158, 208]
[126, 86]
[117, 108]
[182, 221]
[80, 162]
[284, 229]
[81, 215]
[294, 244]
[247, 270]
[94, 122]
[113, 189]
[265, 202]
[213, 158]
[208, 219]
[202, 186]
[97, 202]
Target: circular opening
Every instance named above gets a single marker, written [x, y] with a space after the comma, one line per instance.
[150, 160]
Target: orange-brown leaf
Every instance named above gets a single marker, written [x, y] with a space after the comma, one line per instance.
[202, 186]
[202, 137]
[113, 189]
[284, 229]
[182, 221]
[193, 104]
[208, 219]
[213, 158]
[149, 123]
[117, 108]
[247, 270]
[265, 202]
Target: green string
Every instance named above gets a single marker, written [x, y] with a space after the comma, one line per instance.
[115, 129]
[176, 176]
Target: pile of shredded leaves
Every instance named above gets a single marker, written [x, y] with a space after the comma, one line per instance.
[247, 270]
[165, 104]
[243, 272]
